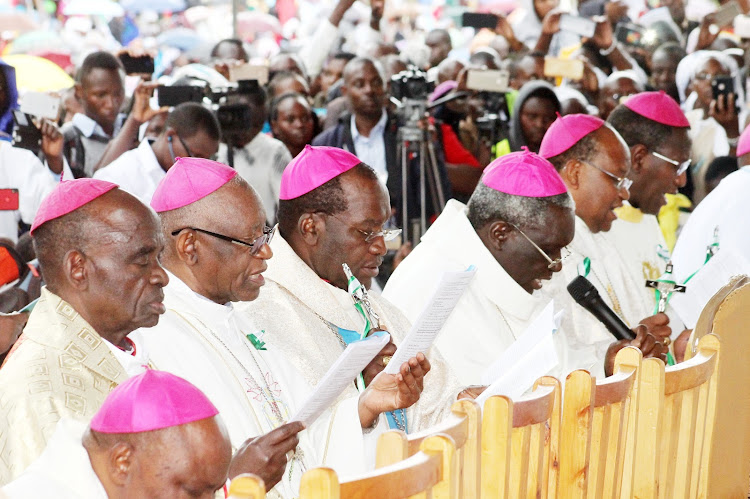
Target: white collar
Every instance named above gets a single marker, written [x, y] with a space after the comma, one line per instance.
[145, 152]
[87, 126]
[376, 130]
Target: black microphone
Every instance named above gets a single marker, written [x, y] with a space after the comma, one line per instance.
[586, 295]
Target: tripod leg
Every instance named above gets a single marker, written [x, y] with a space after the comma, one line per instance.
[436, 175]
[431, 180]
[406, 229]
[422, 193]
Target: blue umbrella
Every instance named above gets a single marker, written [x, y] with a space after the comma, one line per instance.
[156, 5]
[181, 38]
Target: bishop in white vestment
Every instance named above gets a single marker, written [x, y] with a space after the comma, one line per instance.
[519, 191]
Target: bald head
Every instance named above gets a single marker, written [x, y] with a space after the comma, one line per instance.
[187, 459]
[213, 265]
[448, 70]
[102, 258]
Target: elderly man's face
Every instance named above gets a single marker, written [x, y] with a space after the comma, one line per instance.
[124, 278]
[524, 263]
[229, 271]
[190, 462]
[343, 240]
[596, 194]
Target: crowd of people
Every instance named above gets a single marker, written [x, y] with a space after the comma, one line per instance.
[173, 242]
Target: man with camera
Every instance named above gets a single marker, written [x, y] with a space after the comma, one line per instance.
[191, 130]
[370, 131]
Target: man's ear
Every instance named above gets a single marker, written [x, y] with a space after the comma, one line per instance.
[571, 174]
[74, 268]
[638, 155]
[119, 463]
[187, 247]
[498, 233]
[310, 226]
[78, 92]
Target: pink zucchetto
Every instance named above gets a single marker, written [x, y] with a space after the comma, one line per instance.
[68, 196]
[658, 107]
[152, 401]
[313, 167]
[524, 174]
[566, 131]
[743, 145]
[442, 89]
[189, 180]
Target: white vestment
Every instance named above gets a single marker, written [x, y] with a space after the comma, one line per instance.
[636, 236]
[301, 314]
[255, 391]
[62, 471]
[612, 278]
[493, 312]
[137, 171]
[726, 208]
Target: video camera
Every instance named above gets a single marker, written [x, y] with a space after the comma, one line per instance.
[233, 117]
[411, 84]
[491, 87]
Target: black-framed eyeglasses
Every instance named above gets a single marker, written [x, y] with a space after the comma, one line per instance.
[370, 236]
[564, 252]
[184, 145]
[681, 167]
[621, 183]
[254, 246]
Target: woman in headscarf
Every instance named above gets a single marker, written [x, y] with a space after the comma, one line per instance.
[714, 125]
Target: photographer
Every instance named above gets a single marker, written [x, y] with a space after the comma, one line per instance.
[191, 130]
[257, 157]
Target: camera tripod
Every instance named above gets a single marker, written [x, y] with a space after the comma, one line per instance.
[414, 141]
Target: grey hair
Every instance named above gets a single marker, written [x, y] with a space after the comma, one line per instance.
[488, 205]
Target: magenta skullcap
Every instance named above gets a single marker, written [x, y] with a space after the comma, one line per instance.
[152, 401]
[743, 145]
[189, 180]
[658, 107]
[524, 174]
[566, 132]
[442, 89]
[67, 196]
[313, 167]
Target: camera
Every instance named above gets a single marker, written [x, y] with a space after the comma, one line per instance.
[232, 106]
[411, 84]
[25, 133]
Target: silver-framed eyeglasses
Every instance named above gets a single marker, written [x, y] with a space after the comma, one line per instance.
[621, 183]
[564, 252]
[681, 167]
[254, 246]
[370, 236]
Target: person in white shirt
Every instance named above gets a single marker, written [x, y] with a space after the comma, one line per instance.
[257, 157]
[20, 169]
[101, 92]
[191, 130]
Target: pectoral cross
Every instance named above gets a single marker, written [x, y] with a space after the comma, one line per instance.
[361, 298]
[664, 288]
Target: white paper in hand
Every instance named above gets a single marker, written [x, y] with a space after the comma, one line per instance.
[530, 357]
[429, 323]
[341, 374]
[710, 278]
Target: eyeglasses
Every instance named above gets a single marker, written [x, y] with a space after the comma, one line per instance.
[255, 246]
[709, 76]
[681, 167]
[370, 236]
[621, 183]
[564, 253]
[184, 145]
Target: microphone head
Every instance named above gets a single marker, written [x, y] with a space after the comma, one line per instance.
[581, 289]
